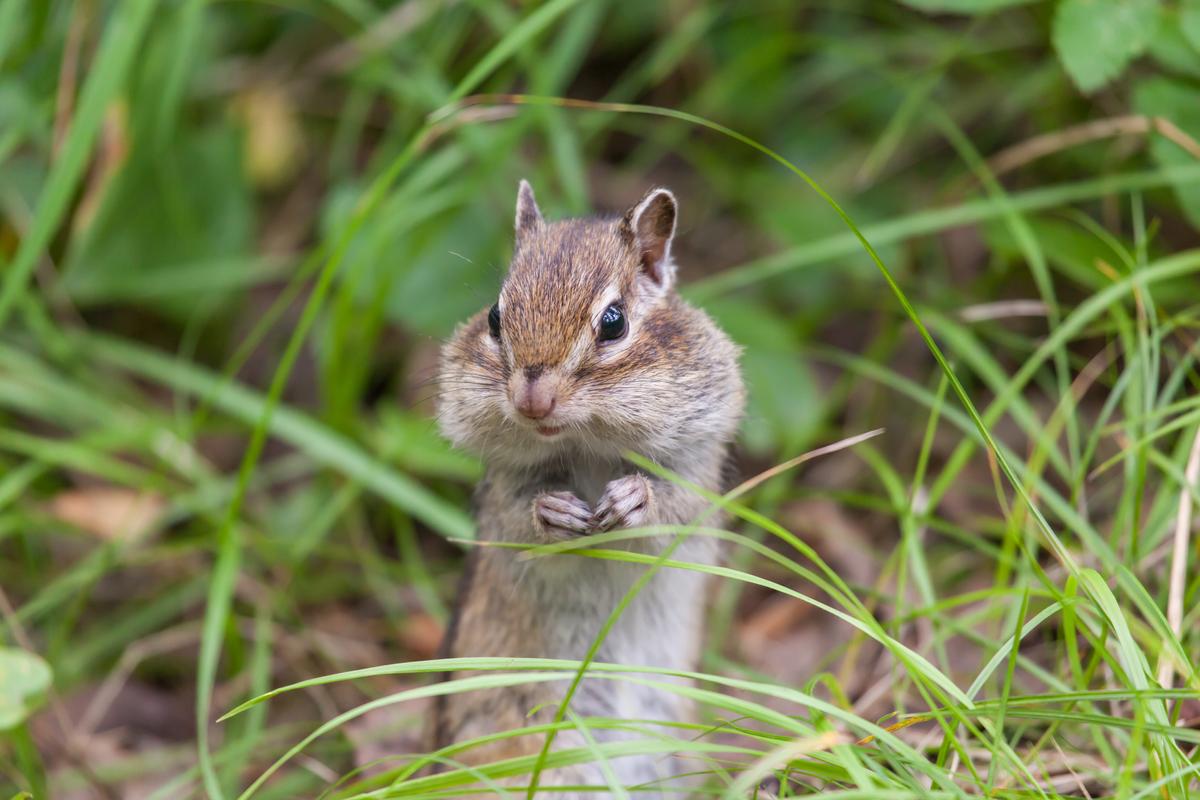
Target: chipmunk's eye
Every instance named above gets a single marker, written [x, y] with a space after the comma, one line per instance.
[612, 323]
[494, 321]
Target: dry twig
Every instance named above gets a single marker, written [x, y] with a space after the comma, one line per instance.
[1178, 582]
[1046, 144]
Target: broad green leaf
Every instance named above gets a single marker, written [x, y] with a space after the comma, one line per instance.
[1171, 47]
[1189, 21]
[1096, 39]
[1179, 103]
[413, 442]
[412, 249]
[163, 214]
[1071, 250]
[784, 406]
[24, 676]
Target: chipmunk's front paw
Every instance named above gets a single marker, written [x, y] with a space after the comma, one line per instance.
[625, 504]
[561, 515]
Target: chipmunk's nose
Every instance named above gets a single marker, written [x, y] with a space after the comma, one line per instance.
[536, 398]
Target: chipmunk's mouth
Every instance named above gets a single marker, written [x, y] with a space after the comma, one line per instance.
[548, 430]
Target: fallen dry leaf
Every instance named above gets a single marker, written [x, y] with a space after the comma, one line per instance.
[274, 144]
[771, 620]
[111, 513]
[421, 634]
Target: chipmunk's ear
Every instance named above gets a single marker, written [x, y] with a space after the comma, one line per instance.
[652, 224]
[529, 216]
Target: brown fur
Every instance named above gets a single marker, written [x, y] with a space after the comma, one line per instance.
[553, 282]
[669, 389]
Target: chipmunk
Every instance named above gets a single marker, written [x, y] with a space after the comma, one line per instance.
[589, 353]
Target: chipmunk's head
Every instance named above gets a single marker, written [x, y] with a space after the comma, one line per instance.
[587, 346]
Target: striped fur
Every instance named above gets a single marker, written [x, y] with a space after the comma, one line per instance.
[670, 390]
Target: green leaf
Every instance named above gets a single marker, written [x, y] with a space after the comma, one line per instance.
[23, 678]
[1189, 21]
[412, 441]
[1096, 39]
[163, 215]
[963, 6]
[1172, 49]
[784, 408]
[1072, 250]
[1178, 102]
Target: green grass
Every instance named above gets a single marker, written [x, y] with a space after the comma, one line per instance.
[246, 345]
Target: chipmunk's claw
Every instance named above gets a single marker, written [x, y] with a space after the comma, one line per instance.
[625, 504]
[561, 515]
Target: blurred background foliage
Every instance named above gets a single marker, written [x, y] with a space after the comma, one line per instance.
[242, 135]
[177, 178]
